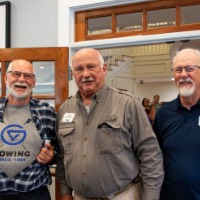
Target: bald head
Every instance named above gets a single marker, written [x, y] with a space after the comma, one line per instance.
[15, 64]
[86, 52]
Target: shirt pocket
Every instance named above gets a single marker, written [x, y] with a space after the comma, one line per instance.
[109, 138]
[66, 133]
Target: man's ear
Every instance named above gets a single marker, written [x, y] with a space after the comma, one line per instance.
[105, 69]
[5, 79]
[34, 82]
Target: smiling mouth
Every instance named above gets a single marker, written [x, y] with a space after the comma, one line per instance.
[185, 83]
[20, 86]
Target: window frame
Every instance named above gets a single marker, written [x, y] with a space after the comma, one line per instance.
[82, 16]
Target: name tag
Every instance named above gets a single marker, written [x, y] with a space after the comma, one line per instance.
[68, 117]
[199, 120]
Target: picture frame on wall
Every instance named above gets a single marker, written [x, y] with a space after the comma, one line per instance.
[5, 9]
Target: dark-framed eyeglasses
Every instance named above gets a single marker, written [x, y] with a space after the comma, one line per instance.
[16, 74]
[189, 68]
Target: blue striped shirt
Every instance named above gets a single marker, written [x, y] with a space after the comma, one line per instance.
[36, 174]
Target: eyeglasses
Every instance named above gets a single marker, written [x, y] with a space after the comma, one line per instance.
[16, 74]
[189, 68]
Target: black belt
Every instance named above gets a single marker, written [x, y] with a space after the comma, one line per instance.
[34, 193]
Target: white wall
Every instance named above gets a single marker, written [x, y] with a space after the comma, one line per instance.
[34, 23]
[166, 90]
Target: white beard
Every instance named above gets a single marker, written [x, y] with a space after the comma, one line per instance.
[185, 90]
[18, 95]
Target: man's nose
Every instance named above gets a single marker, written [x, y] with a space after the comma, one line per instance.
[86, 72]
[184, 72]
[21, 78]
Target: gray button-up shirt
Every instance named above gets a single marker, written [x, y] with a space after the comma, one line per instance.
[105, 150]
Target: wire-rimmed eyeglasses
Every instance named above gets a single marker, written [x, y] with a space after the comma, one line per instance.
[16, 74]
[189, 68]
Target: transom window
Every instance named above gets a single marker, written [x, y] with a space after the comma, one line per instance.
[154, 17]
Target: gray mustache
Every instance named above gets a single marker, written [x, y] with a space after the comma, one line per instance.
[85, 80]
[187, 80]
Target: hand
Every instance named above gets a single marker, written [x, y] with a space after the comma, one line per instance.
[67, 197]
[46, 154]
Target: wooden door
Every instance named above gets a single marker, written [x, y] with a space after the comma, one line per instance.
[51, 67]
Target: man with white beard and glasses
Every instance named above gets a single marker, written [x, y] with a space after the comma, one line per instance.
[177, 126]
[25, 122]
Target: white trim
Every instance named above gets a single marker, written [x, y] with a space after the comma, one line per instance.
[137, 40]
[66, 13]
[66, 28]
[109, 3]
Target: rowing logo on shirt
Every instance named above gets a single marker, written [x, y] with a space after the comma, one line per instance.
[13, 134]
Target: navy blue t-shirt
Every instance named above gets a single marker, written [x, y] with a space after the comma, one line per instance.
[178, 133]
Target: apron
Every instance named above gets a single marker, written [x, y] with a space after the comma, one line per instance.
[19, 146]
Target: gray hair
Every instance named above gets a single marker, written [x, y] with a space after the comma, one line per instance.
[186, 50]
[101, 60]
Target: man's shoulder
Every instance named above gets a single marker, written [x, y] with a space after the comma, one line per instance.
[3, 99]
[40, 105]
[68, 101]
[125, 97]
[122, 93]
[168, 106]
[38, 102]
[2, 102]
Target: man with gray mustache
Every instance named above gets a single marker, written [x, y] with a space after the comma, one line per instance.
[177, 126]
[108, 147]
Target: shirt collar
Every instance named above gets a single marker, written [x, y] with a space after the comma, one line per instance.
[98, 95]
[180, 106]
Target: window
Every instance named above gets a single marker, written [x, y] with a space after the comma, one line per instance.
[154, 17]
[190, 14]
[161, 18]
[129, 21]
[99, 25]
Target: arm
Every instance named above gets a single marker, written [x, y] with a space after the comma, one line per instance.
[148, 152]
[66, 191]
[153, 112]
